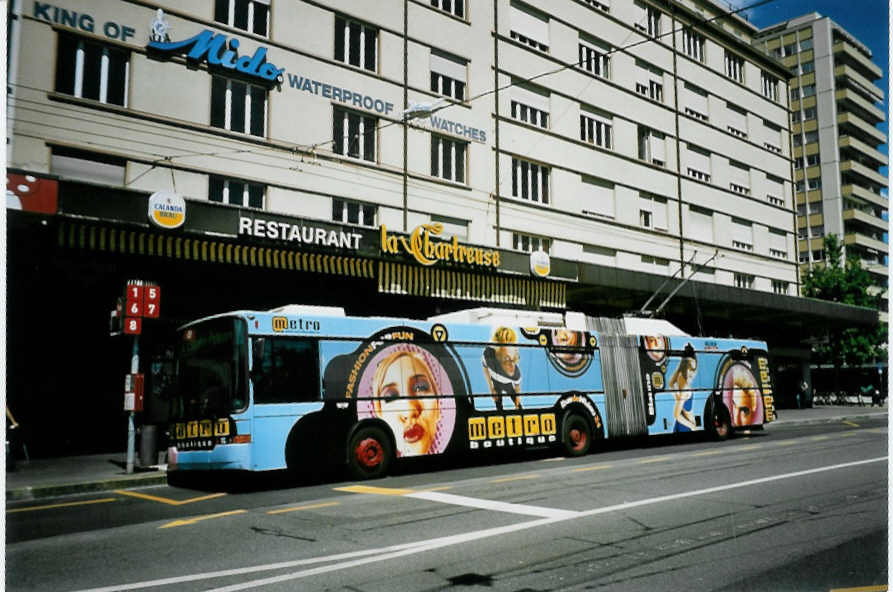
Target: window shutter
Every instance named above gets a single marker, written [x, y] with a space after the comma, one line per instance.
[598, 196]
[531, 98]
[529, 25]
[448, 66]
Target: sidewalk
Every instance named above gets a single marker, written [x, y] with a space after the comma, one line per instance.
[40, 478]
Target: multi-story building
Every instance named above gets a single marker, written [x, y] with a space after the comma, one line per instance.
[834, 117]
[248, 153]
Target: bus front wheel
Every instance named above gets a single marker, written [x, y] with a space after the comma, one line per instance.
[369, 453]
[576, 435]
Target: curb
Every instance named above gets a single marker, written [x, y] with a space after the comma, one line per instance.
[831, 419]
[41, 491]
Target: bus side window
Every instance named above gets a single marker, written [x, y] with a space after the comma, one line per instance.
[288, 373]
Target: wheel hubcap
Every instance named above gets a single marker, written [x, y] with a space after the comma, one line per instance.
[577, 438]
[369, 452]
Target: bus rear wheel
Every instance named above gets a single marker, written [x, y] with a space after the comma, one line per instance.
[576, 435]
[719, 424]
[369, 453]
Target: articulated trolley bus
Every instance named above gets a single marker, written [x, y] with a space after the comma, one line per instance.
[304, 386]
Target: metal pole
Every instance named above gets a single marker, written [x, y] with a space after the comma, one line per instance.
[131, 430]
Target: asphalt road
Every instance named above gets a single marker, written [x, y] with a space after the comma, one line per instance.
[791, 508]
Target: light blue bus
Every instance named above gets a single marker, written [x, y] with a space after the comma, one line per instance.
[302, 387]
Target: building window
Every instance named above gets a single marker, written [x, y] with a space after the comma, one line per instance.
[90, 70]
[699, 165]
[807, 67]
[740, 178]
[656, 261]
[739, 188]
[454, 7]
[448, 75]
[248, 15]
[652, 146]
[596, 130]
[354, 134]
[530, 181]
[744, 280]
[775, 200]
[742, 245]
[530, 243]
[530, 115]
[734, 67]
[805, 44]
[814, 183]
[448, 158]
[653, 21]
[652, 211]
[92, 167]
[696, 102]
[352, 212]
[356, 43]
[595, 60]
[693, 44]
[778, 253]
[528, 27]
[451, 226]
[238, 106]
[769, 86]
[790, 49]
[645, 218]
[236, 192]
[604, 5]
[737, 120]
[780, 287]
[652, 89]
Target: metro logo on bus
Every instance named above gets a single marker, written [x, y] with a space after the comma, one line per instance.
[512, 430]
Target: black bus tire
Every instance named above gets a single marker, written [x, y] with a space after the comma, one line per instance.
[369, 453]
[576, 435]
[719, 423]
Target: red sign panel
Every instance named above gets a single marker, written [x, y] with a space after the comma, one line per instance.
[133, 304]
[32, 194]
[151, 301]
[133, 325]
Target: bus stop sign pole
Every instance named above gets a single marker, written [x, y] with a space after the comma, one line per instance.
[131, 430]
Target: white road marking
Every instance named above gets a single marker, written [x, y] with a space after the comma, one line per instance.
[378, 555]
[484, 504]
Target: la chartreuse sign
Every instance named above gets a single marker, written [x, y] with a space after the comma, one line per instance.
[427, 251]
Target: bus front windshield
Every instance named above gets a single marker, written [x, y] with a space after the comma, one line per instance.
[212, 367]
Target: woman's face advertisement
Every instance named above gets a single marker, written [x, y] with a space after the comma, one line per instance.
[404, 398]
[402, 385]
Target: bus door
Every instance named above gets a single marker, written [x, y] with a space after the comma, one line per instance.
[622, 379]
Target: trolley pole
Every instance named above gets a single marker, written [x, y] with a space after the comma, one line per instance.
[131, 430]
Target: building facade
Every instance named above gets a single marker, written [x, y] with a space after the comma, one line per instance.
[402, 158]
[834, 116]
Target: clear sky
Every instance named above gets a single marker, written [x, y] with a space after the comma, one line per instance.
[866, 20]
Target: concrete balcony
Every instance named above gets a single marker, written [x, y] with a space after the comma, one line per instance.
[853, 101]
[849, 142]
[860, 193]
[855, 125]
[857, 168]
[844, 71]
[843, 51]
[814, 220]
[865, 218]
[861, 240]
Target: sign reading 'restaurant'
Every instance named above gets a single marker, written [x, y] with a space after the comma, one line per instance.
[298, 233]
